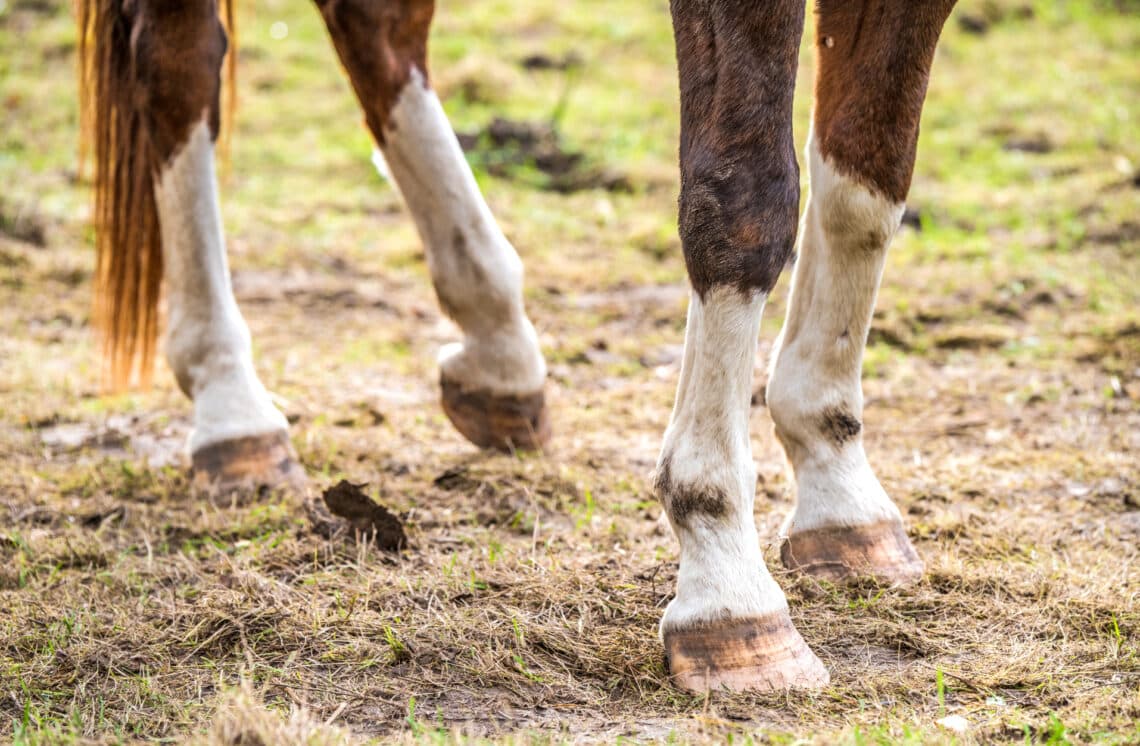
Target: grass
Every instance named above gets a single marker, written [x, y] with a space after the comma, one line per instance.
[1002, 383]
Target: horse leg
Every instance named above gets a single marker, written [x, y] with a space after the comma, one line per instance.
[492, 382]
[239, 436]
[873, 64]
[729, 623]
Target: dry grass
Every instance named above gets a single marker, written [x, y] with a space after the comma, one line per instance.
[241, 721]
[1002, 386]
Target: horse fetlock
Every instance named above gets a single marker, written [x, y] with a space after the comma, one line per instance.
[809, 413]
[493, 388]
[229, 401]
[505, 360]
[728, 625]
[202, 346]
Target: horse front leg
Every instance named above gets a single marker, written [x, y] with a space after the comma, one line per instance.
[873, 59]
[729, 624]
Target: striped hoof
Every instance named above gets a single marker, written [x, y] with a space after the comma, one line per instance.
[248, 463]
[762, 653]
[880, 551]
[504, 422]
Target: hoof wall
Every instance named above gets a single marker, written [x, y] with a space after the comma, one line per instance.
[247, 463]
[879, 551]
[763, 653]
[503, 422]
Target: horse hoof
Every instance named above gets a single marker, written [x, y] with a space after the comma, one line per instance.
[502, 421]
[764, 653]
[247, 463]
[879, 551]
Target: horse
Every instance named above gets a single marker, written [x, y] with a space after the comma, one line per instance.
[151, 83]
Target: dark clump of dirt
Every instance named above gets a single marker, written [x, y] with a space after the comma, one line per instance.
[101, 518]
[891, 336]
[1037, 144]
[1121, 235]
[24, 225]
[456, 479]
[1114, 350]
[505, 148]
[912, 218]
[990, 14]
[973, 24]
[356, 514]
[542, 61]
[973, 337]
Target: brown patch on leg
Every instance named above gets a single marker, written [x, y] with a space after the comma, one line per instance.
[874, 60]
[839, 425]
[764, 653]
[502, 421]
[379, 44]
[740, 186]
[149, 72]
[880, 551]
[256, 461]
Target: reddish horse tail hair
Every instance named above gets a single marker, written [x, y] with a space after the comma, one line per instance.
[128, 242]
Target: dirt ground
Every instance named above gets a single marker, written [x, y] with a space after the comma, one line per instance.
[1002, 385]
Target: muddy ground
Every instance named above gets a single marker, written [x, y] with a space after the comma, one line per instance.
[1002, 389]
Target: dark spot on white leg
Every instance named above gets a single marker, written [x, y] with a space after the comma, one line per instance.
[839, 425]
[684, 502]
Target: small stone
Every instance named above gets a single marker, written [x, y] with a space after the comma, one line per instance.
[954, 723]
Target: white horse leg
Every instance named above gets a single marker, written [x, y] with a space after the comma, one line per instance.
[493, 380]
[238, 433]
[165, 93]
[728, 624]
[843, 524]
[868, 100]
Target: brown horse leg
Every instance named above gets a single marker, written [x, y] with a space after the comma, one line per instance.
[729, 625]
[493, 381]
[873, 59]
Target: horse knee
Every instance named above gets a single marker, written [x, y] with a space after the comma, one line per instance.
[738, 220]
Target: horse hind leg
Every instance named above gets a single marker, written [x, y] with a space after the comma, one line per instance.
[165, 89]
[869, 94]
[493, 381]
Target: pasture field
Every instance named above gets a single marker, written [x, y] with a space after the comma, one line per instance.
[1002, 386]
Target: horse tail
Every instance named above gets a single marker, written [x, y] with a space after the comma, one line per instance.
[229, 90]
[128, 240]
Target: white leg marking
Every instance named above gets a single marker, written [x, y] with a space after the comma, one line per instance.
[208, 343]
[477, 274]
[814, 391]
[706, 477]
